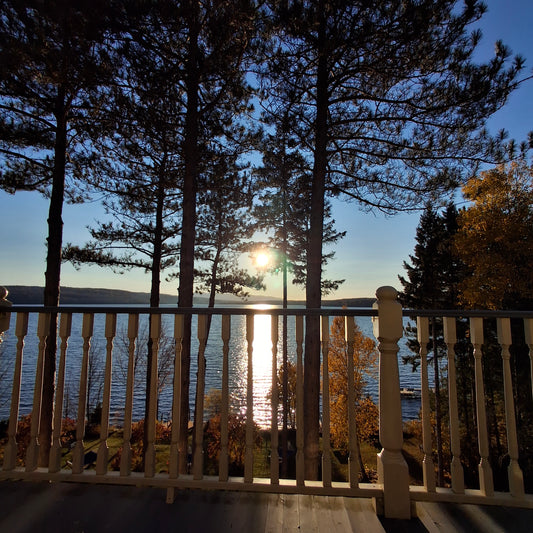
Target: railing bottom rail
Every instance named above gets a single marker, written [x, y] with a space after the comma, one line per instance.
[470, 496]
[285, 486]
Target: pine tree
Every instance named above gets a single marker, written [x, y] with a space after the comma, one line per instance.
[140, 171]
[283, 208]
[224, 227]
[216, 40]
[432, 283]
[55, 60]
[284, 212]
[391, 106]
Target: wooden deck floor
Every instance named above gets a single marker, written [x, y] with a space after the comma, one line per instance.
[76, 508]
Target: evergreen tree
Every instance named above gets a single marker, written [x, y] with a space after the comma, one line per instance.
[224, 226]
[432, 281]
[434, 271]
[140, 170]
[391, 106]
[216, 38]
[55, 60]
[284, 212]
[140, 173]
[283, 208]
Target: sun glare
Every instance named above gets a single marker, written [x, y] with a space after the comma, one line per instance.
[261, 260]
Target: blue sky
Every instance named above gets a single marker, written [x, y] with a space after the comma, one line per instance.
[371, 254]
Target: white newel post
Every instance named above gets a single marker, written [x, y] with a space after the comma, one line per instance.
[392, 468]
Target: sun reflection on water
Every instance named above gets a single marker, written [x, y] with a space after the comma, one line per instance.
[261, 365]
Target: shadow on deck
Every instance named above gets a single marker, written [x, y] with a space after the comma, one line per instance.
[76, 508]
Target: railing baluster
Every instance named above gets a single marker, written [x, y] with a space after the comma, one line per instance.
[224, 458]
[486, 483]
[150, 424]
[300, 465]
[65, 329]
[274, 455]
[516, 477]
[133, 332]
[326, 437]
[10, 456]
[103, 449]
[249, 453]
[457, 472]
[173, 466]
[78, 452]
[353, 448]
[32, 455]
[173, 461]
[528, 328]
[422, 326]
[198, 460]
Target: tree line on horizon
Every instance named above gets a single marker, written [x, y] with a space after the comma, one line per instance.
[158, 106]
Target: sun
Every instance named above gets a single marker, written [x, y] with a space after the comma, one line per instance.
[262, 259]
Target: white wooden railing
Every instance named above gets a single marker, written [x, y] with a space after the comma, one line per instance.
[393, 494]
[475, 325]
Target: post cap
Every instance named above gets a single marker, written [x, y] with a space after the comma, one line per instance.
[387, 293]
[388, 323]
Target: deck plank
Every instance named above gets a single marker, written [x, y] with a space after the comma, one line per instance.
[362, 515]
[274, 518]
[306, 514]
[291, 521]
[468, 518]
[26, 507]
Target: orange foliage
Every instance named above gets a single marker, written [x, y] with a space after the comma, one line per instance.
[236, 438]
[495, 237]
[163, 433]
[365, 365]
[68, 432]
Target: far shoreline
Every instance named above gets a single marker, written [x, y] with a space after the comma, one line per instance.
[33, 295]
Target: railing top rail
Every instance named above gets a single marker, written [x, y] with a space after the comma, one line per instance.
[278, 311]
[100, 309]
[467, 313]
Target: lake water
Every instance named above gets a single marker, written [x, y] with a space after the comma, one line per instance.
[262, 366]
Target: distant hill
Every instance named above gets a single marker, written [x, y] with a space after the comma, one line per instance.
[32, 295]
[349, 302]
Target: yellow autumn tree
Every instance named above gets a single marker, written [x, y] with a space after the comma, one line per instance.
[495, 238]
[365, 366]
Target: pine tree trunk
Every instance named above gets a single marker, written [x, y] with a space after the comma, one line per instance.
[52, 275]
[285, 355]
[314, 264]
[188, 234]
[154, 295]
